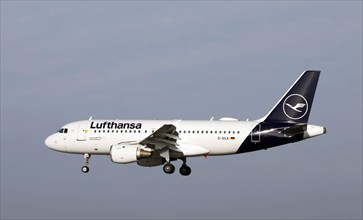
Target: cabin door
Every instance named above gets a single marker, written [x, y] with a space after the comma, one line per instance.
[82, 130]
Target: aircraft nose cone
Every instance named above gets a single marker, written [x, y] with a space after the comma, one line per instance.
[48, 141]
[51, 142]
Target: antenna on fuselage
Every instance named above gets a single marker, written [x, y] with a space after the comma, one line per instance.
[211, 119]
[90, 118]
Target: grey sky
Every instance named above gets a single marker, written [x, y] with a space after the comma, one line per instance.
[64, 61]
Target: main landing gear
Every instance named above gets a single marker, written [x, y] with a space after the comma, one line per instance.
[184, 170]
[169, 168]
[85, 168]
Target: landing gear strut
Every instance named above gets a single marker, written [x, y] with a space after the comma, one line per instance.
[85, 168]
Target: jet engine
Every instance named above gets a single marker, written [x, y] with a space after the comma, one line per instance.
[125, 153]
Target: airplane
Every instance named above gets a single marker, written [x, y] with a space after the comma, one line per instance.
[159, 142]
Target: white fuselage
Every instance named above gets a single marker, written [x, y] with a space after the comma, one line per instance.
[218, 137]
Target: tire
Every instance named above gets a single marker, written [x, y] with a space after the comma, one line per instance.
[185, 170]
[85, 169]
[169, 168]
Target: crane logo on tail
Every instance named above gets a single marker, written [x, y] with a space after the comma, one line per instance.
[295, 106]
[298, 105]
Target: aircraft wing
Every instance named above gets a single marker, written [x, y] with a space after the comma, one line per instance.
[165, 139]
[165, 136]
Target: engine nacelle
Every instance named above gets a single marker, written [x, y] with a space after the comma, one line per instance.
[125, 153]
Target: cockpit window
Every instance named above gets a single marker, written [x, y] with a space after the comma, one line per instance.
[63, 130]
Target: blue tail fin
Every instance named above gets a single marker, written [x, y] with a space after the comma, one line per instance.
[295, 104]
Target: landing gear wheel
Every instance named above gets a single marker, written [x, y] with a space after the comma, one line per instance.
[185, 170]
[85, 169]
[169, 168]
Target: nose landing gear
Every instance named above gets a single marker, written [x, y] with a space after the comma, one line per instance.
[85, 168]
